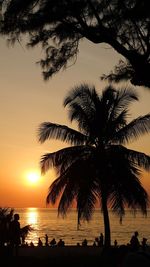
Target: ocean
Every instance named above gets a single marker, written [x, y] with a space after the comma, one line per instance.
[45, 221]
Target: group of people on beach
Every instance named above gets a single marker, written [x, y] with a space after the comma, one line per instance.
[52, 243]
[135, 243]
[99, 241]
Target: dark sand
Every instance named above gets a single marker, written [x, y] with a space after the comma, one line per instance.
[73, 256]
[68, 256]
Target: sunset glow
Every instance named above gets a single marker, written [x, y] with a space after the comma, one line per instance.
[33, 178]
[27, 101]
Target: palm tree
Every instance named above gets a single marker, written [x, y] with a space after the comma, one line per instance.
[97, 167]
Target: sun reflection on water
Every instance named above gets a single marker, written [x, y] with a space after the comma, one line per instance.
[32, 216]
[32, 220]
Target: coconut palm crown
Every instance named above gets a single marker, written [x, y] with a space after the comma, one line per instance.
[97, 168]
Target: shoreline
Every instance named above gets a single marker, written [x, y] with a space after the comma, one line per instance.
[67, 250]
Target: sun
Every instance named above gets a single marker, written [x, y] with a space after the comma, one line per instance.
[33, 177]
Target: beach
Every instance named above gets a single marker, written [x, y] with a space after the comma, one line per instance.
[73, 256]
[58, 256]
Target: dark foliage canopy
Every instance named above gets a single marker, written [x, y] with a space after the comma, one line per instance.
[60, 25]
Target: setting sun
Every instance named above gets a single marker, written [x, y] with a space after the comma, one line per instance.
[33, 177]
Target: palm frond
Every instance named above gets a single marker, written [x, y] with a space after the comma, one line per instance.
[63, 158]
[133, 130]
[56, 189]
[108, 94]
[117, 204]
[47, 161]
[6, 213]
[67, 197]
[125, 182]
[83, 102]
[24, 231]
[135, 195]
[140, 159]
[114, 109]
[71, 176]
[81, 93]
[76, 183]
[49, 130]
[137, 158]
[122, 99]
[114, 126]
[121, 120]
[86, 202]
[81, 116]
[129, 193]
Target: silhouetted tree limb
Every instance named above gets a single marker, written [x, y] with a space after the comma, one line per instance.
[60, 25]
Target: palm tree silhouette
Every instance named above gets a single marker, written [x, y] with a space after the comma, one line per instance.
[97, 167]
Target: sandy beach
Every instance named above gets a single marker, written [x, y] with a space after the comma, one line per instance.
[73, 256]
[58, 256]
[63, 252]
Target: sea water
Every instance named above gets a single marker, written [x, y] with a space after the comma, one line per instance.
[46, 221]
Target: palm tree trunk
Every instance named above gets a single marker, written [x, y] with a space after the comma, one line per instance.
[107, 240]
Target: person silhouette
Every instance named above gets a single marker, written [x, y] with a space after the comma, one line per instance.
[61, 243]
[134, 242]
[46, 240]
[101, 240]
[31, 244]
[84, 242]
[53, 243]
[40, 244]
[94, 244]
[15, 231]
[115, 243]
[15, 239]
[144, 243]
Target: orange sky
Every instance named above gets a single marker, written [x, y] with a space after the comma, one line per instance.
[26, 101]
